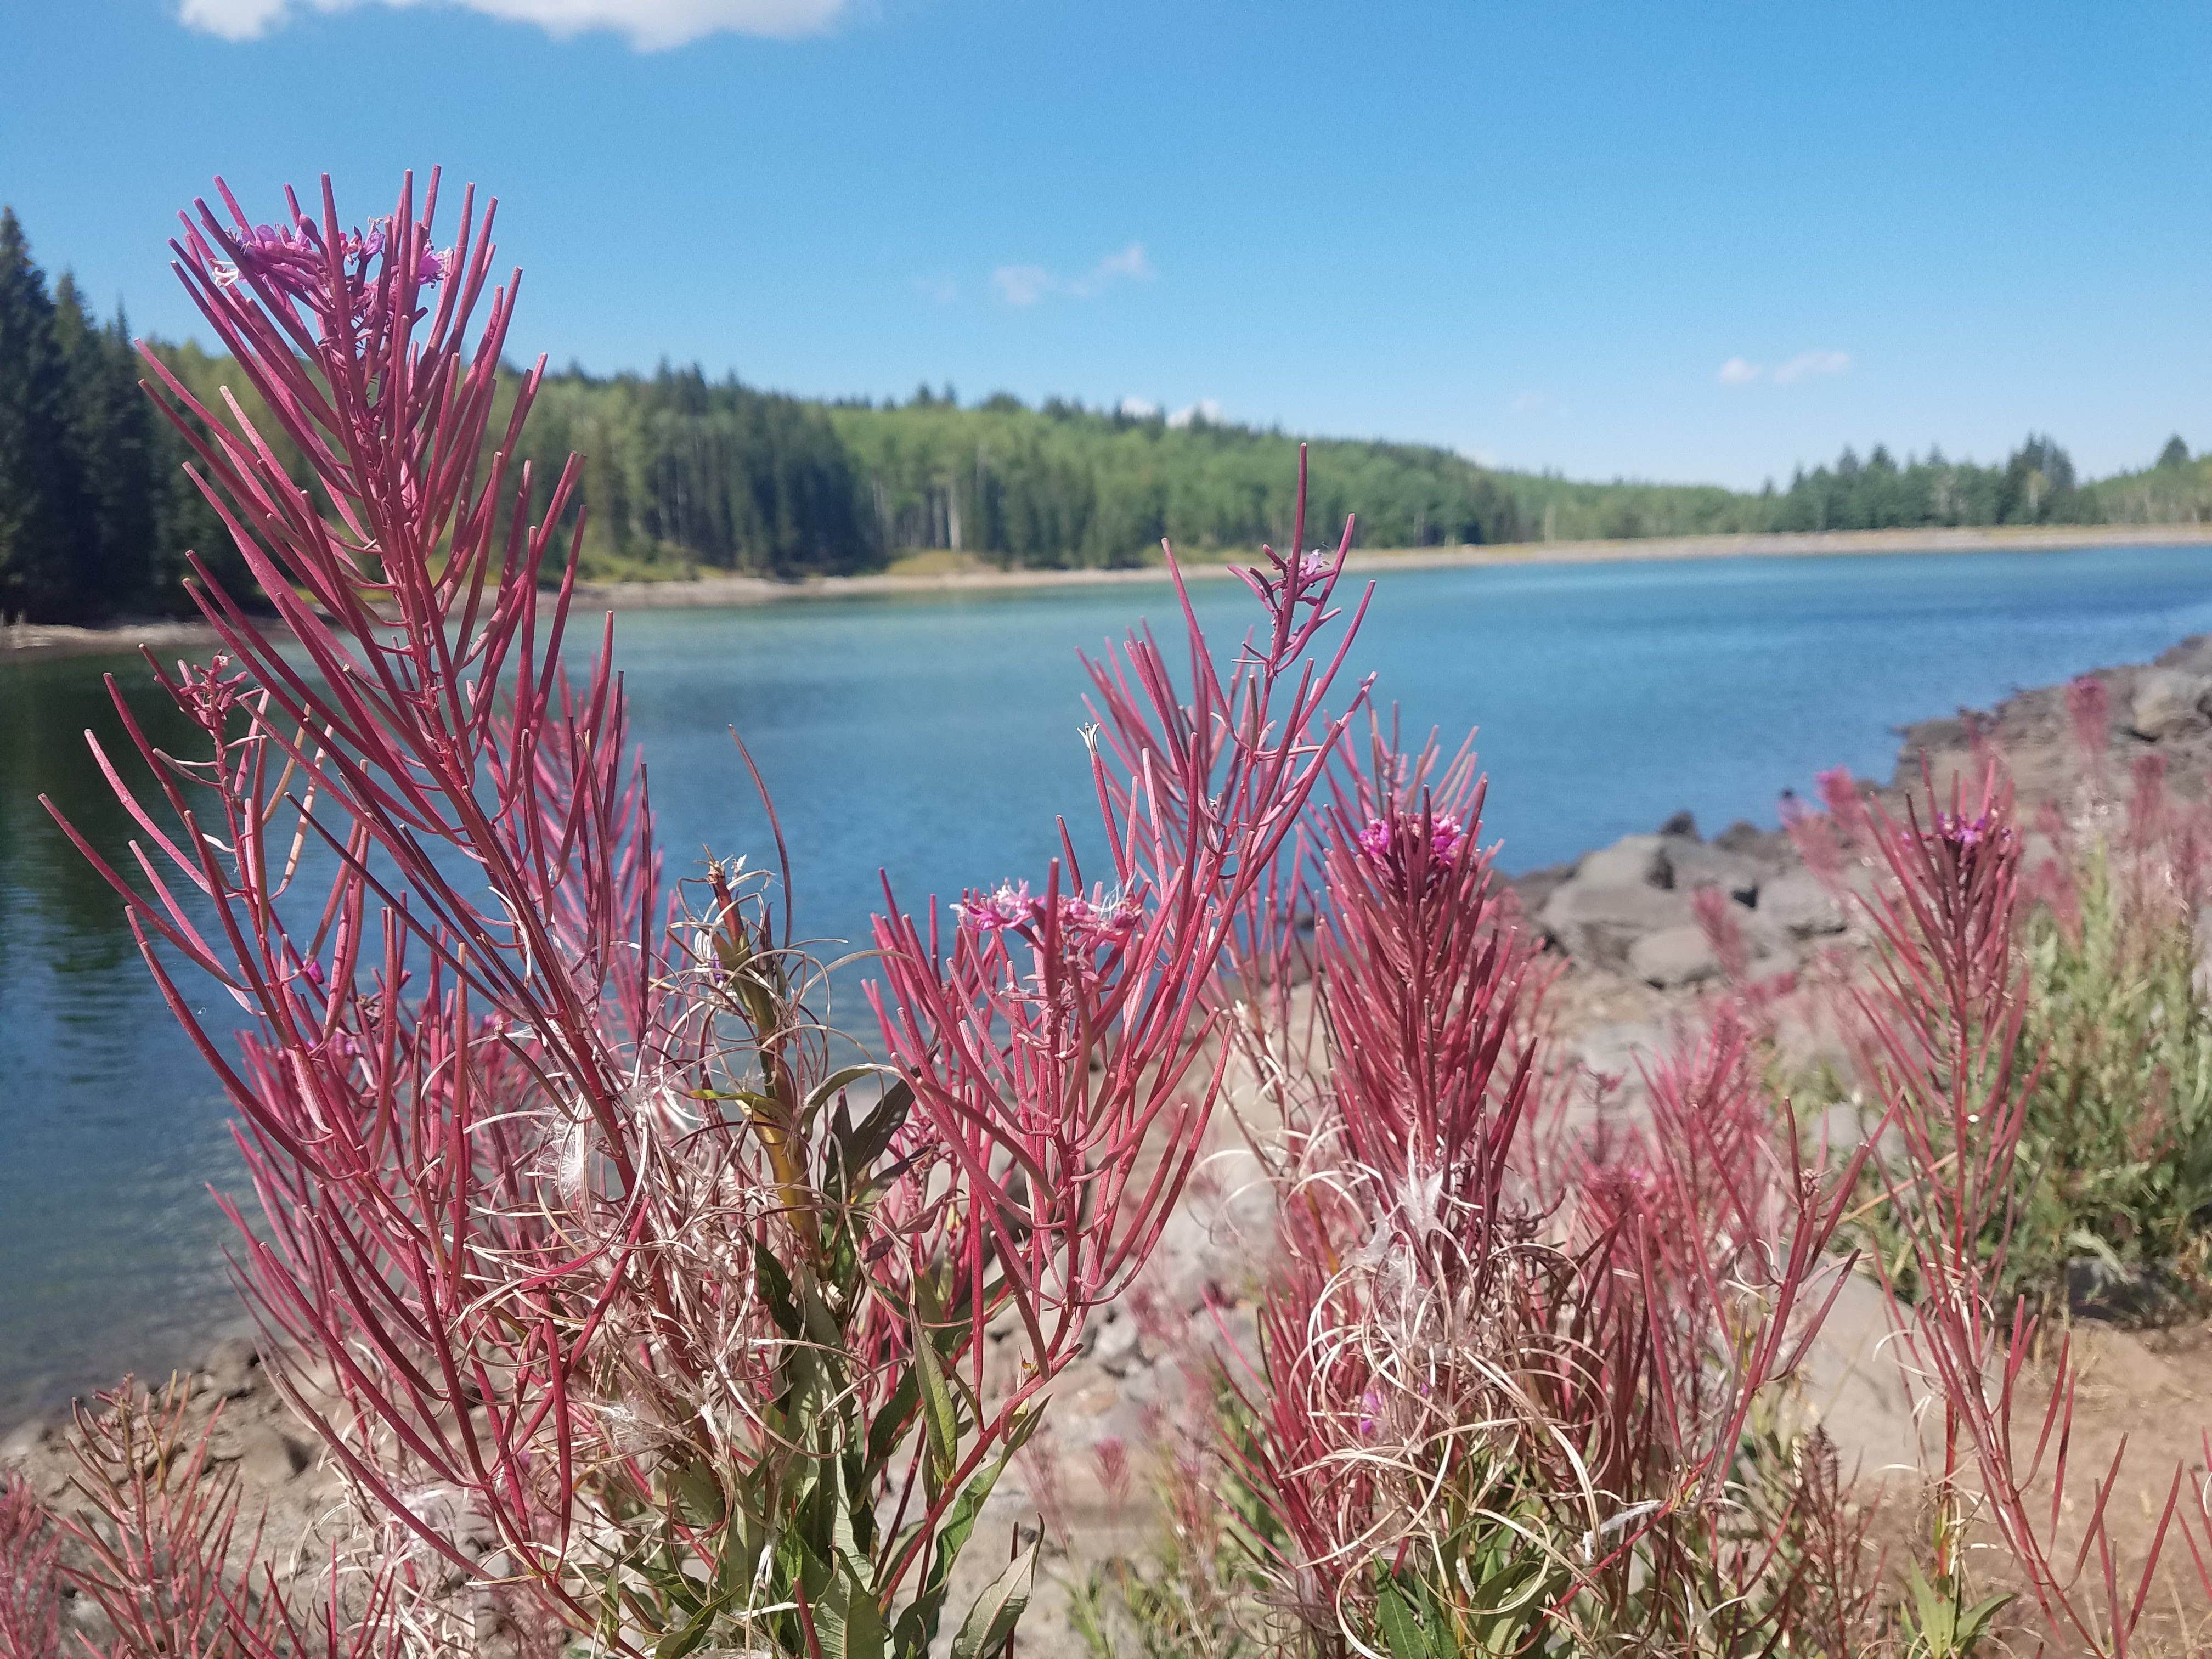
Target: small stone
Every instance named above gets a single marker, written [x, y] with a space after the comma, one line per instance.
[1116, 1344]
[23, 1441]
[265, 1457]
[233, 1367]
[1843, 1128]
[1683, 824]
[1741, 837]
[2114, 1289]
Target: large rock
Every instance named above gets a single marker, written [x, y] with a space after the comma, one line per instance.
[2168, 703]
[1632, 862]
[1674, 957]
[1850, 1383]
[1692, 864]
[1598, 922]
[1798, 905]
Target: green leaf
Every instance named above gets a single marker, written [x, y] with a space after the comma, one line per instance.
[848, 1623]
[695, 1631]
[1974, 1623]
[775, 1291]
[1401, 1625]
[867, 1142]
[984, 1632]
[889, 1427]
[696, 1496]
[940, 1419]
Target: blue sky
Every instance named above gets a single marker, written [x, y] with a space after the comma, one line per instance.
[1703, 240]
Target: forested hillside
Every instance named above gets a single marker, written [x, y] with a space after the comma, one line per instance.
[683, 474]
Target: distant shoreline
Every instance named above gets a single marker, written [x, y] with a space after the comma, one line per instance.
[22, 642]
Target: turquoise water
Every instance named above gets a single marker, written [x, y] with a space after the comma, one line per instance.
[936, 738]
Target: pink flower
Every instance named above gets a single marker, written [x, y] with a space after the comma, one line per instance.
[209, 694]
[1101, 919]
[1009, 905]
[1387, 842]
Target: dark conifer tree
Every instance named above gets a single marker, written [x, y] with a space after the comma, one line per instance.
[40, 499]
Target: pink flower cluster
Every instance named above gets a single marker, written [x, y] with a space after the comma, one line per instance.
[1385, 841]
[293, 258]
[1101, 919]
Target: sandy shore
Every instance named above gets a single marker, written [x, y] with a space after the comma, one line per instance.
[707, 590]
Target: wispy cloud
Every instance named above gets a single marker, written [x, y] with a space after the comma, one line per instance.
[1139, 409]
[1805, 366]
[941, 290]
[1206, 409]
[1533, 403]
[1025, 285]
[648, 25]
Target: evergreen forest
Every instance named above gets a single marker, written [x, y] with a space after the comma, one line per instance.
[685, 474]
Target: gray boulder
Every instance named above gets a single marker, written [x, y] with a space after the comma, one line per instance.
[1598, 922]
[233, 1367]
[1694, 864]
[2168, 703]
[1673, 957]
[1799, 905]
[1632, 862]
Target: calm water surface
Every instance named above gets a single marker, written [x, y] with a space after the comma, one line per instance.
[937, 737]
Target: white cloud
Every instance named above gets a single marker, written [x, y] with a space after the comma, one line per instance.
[1533, 403]
[1206, 409]
[1805, 364]
[942, 291]
[649, 25]
[1024, 285]
[1741, 371]
[1139, 409]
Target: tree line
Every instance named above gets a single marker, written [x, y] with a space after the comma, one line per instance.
[683, 474]
[95, 511]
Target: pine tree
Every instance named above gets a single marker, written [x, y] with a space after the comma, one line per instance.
[38, 488]
[110, 440]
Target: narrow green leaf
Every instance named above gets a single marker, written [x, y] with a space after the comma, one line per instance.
[984, 1632]
[869, 1141]
[891, 1425]
[940, 1420]
[1401, 1628]
[775, 1291]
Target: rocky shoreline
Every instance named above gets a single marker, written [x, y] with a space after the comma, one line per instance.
[1636, 963]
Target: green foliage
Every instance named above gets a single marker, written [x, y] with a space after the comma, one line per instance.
[95, 511]
[1940, 1624]
[1067, 486]
[682, 475]
[2116, 1158]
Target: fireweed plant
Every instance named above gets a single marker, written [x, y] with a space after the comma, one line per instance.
[1522, 1382]
[1511, 1381]
[608, 1266]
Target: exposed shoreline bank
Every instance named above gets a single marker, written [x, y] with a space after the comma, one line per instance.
[24, 641]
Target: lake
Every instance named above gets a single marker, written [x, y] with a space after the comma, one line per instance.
[936, 737]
